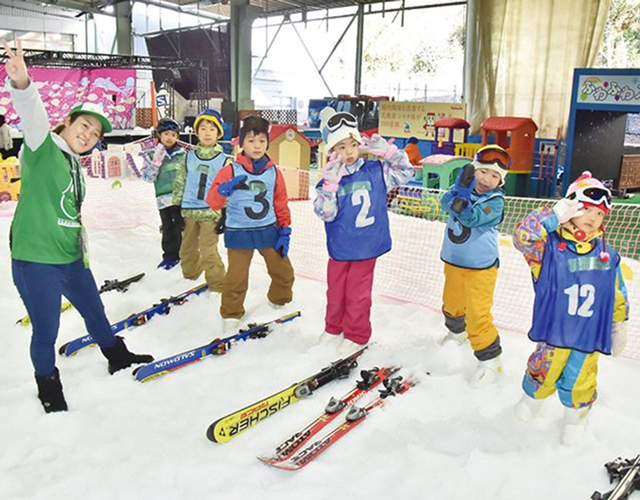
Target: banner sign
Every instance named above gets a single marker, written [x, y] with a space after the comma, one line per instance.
[416, 119]
[619, 90]
[62, 89]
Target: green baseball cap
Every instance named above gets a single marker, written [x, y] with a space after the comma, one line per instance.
[89, 108]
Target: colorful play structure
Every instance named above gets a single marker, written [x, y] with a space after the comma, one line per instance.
[9, 179]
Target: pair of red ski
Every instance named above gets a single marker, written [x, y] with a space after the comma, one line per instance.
[295, 452]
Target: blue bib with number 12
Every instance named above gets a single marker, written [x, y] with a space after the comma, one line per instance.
[574, 300]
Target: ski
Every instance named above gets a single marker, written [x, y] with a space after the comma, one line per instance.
[218, 346]
[137, 319]
[370, 380]
[229, 426]
[392, 387]
[118, 285]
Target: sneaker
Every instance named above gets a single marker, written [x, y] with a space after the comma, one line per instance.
[528, 408]
[575, 425]
[230, 325]
[454, 338]
[276, 306]
[488, 372]
[327, 338]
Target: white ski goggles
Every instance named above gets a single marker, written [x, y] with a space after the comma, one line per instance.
[341, 119]
[593, 195]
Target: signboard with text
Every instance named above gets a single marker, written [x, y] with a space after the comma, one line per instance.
[407, 119]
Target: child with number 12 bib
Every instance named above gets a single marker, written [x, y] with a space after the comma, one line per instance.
[580, 305]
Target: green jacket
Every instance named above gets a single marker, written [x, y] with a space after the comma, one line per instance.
[46, 225]
[205, 214]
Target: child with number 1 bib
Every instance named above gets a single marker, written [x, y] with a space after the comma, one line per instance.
[352, 202]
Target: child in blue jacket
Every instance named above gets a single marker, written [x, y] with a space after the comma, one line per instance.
[470, 253]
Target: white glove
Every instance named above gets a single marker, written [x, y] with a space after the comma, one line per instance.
[332, 173]
[377, 146]
[618, 337]
[158, 155]
[567, 209]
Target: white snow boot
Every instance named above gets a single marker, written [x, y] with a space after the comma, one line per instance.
[488, 372]
[575, 425]
[528, 408]
[453, 338]
[327, 338]
[230, 325]
[347, 348]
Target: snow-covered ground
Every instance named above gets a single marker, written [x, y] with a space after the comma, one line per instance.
[126, 440]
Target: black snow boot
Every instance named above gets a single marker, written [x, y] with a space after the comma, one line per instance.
[50, 392]
[119, 356]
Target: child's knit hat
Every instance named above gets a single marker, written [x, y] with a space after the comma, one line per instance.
[592, 193]
[493, 157]
[337, 127]
[213, 116]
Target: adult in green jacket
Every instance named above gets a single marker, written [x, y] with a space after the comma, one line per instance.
[48, 243]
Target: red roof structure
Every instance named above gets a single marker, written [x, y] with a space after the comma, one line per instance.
[277, 130]
[502, 123]
[451, 122]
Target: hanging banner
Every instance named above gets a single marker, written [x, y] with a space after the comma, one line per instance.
[621, 90]
[62, 89]
[416, 119]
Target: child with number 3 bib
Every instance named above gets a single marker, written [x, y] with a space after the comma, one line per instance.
[352, 201]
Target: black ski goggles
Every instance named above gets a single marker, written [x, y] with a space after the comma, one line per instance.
[490, 155]
[341, 119]
[593, 195]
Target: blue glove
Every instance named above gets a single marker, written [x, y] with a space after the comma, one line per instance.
[282, 244]
[460, 206]
[465, 182]
[226, 188]
[461, 191]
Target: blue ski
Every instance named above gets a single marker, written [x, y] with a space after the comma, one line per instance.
[218, 346]
[138, 319]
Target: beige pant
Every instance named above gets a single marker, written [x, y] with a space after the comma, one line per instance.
[236, 282]
[199, 252]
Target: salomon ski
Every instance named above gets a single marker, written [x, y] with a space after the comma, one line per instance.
[138, 319]
[392, 386]
[218, 346]
[370, 380]
[228, 427]
[120, 286]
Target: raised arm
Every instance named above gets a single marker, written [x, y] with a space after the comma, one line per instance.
[25, 97]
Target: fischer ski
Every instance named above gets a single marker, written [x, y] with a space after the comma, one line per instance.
[218, 346]
[370, 380]
[120, 286]
[392, 387]
[137, 319]
[229, 426]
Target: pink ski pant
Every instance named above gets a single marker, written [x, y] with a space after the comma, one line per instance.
[349, 299]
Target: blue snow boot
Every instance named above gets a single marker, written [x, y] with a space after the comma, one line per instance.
[168, 264]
